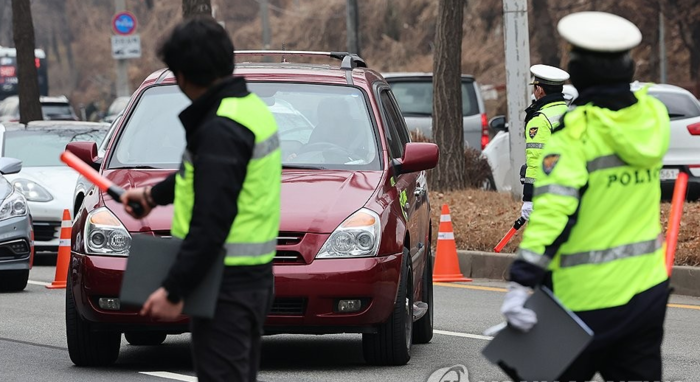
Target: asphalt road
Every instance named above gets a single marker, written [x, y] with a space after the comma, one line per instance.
[33, 345]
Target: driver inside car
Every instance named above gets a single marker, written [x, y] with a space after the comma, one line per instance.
[336, 139]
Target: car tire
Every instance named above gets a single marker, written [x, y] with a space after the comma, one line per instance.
[488, 183]
[145, 338]
[423, 328]
[85, 346]
[391, 345]
[14, 281]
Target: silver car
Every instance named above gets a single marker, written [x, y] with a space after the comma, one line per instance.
[16, 247]
[414, 93]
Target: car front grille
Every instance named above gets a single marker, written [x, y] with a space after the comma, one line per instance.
[288, 306]
[46, 231]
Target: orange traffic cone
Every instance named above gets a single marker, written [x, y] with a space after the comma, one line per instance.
[63, 258]
[446, 263]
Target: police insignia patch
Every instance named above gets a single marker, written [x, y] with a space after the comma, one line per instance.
[549, 162]
[532, 132]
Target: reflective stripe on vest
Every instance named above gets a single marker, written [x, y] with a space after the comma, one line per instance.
[605, 162]
[534, 145]
[557, 189]
[533, 258]
[611, 254]
[529, 181]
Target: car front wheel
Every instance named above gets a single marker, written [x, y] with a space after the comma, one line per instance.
[14, 281]
[85, 346]
[423, 328]
[391, 345]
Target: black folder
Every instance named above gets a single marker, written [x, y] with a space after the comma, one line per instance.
[543, 353]
[150, 260]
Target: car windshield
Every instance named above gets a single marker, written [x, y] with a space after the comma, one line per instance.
[320, 126]
[56, 110]
[42, 147]
[416, 97]
[679, 105]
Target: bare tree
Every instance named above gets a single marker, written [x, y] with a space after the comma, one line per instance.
[448, 133]
[196, 7]
[23, 32]
[544, 35]
[686, 14]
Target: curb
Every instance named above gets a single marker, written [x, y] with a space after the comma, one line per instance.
[489, 265]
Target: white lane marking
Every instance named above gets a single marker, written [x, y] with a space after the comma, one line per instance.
[168, 375]
[38, 283]
[463, 335]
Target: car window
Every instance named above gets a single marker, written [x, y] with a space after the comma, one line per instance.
[392, 119]
[416, 97]
[319, 126]
[53, 110]
[42, 147]
[679, 105]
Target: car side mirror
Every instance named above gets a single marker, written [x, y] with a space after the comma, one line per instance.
[10, 166]
[498, 123]
[86, 151]
[418, 156]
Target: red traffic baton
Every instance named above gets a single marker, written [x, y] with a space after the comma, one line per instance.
[674, 219]
[101, 182]
[516, 226]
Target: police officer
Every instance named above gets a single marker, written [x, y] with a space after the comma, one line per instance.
[226, 196]
[595, 224]
[540, 119]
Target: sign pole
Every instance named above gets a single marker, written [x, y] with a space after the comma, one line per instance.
[123, 89]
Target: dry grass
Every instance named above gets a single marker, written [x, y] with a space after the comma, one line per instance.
[481, 218]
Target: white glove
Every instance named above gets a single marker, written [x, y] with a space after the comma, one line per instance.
[526, 210]
[515, 313]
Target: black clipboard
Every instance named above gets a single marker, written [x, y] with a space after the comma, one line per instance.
[543, 353]
[150, 260]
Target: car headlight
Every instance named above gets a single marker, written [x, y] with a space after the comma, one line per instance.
[105, 234]
[358, 236]
[13, 205]
[32, 190]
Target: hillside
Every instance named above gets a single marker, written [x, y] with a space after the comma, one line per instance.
[396, 35]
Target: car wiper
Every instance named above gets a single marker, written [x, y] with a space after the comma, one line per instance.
[301, 167]
[417, 113]
[672, 115]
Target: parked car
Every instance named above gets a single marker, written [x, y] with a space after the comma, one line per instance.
[52, 109]
[683, 152]
[44, 180]
[16, 248]
[414, 93]
[353, 252]
[116, 108]
[497, 152]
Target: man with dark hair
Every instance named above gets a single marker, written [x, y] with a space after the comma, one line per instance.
[540, 119]
[598, 234]
[226, 197]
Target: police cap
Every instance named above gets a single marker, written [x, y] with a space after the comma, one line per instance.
[548, 75]
[599, 32]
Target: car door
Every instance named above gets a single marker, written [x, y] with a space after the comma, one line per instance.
[409, 194]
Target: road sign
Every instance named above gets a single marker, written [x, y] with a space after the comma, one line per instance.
[124, 23]
[126, 47]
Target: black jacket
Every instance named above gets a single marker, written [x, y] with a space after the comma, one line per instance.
[221, 149]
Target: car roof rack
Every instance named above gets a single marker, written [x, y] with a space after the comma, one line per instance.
[349, 61]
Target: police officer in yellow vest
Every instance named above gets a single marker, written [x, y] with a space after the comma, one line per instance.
[540, 119]
[226, 196]
[595, 222]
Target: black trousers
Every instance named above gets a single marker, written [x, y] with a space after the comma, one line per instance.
[627, 341]
[227, 347]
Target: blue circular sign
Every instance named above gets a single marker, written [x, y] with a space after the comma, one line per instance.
[124, 23]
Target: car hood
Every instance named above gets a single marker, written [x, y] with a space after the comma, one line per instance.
[312, 201]
[59, 181]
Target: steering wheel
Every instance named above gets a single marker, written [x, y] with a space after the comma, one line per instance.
[327, 148]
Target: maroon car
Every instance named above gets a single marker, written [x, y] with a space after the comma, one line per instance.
[353, 252]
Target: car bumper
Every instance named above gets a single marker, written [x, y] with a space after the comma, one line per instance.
[46, 219]
[693, 191]
[305, 295]
[15, 231]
